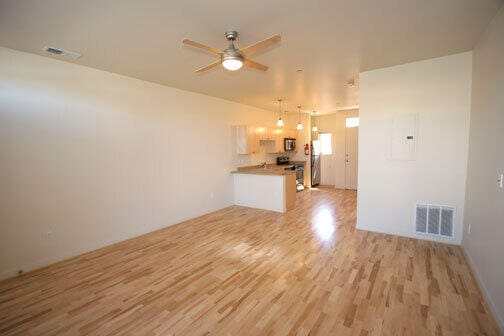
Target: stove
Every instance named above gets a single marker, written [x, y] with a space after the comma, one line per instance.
[298, 168]
[282, 160]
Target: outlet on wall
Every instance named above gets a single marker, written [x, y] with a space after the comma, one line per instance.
[469, 228]
[212, 195]
[49, 235]
[500, 180]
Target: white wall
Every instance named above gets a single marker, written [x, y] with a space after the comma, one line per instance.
[484, 210]
[439, 92]
[333, 166]
[96, 158]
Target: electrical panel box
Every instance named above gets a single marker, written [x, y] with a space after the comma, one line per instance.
[404, 137]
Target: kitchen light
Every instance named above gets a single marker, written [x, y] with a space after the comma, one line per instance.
[314, 128]
[280, 122]
[299, 125]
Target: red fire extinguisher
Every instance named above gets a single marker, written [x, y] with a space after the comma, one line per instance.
[306, 149]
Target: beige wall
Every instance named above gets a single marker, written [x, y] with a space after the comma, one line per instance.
[484, 210]
[438, 91]
[333, 166]
[96, 158]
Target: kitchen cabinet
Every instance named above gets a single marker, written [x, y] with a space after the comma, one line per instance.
[246, 140]
[264, 133]
[275, 145]
[250, 138]
[280, 134]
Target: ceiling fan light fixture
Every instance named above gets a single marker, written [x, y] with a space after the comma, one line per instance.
[232, 60]
[232, 64]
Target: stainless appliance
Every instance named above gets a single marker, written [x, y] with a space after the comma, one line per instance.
[289, 144]
[315, 163]
[282, 160]
[298, 168]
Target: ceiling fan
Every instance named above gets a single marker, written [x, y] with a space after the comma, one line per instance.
[232, 58]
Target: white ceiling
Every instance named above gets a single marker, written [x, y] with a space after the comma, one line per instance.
[331, 40]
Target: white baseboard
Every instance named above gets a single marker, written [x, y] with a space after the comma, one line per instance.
[484, 292]
[41, 263]
[413, 235]
[33, 265]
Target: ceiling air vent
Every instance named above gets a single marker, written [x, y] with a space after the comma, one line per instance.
[437, 220]
[64, 53]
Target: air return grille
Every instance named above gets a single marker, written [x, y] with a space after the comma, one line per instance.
[61, 52]
[434, 219]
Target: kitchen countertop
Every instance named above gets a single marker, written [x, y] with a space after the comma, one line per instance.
[297, 163]
[271, 169]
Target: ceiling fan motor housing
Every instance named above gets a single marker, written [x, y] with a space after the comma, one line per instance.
[232, 53]
[231, 35]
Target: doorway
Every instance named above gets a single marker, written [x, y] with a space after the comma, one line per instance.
[338, 140]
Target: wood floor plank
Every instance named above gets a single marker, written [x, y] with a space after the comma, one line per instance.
[242, 271]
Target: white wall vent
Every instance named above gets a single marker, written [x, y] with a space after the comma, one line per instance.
[435, 220]
[64, 53]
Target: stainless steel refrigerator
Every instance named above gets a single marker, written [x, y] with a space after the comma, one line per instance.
[315, 163]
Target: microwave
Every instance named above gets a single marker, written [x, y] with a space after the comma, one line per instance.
[289, 144]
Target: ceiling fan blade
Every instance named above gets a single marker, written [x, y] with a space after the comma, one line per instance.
[209, 66]
[255, 65]
[202, 46]
[257, 47]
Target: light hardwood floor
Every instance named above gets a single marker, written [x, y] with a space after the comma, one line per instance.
[241, 271]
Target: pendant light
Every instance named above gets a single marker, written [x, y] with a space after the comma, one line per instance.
[299, 125]
[280, 122]
[314, 128]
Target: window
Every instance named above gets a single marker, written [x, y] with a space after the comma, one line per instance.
[352, 122]
[325, 143]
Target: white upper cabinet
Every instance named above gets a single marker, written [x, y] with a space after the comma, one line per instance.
[248, 139]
